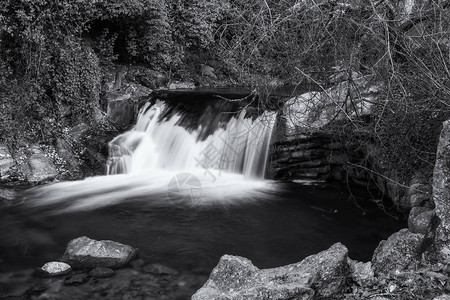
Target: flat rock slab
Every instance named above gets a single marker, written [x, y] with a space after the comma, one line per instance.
[84, 253]
[321, 275]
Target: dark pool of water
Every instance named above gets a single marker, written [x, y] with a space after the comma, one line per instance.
[302, 220]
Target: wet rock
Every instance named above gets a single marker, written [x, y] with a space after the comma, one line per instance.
[76, 279]
[397, 253]
[441, 194]
[84, 252]
[101, 272]
[360, 272]
[320, 275]
[55, 268]
[419, 219]
[159, 270]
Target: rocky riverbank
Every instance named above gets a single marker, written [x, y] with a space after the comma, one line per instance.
[91, 269]
[410, 264]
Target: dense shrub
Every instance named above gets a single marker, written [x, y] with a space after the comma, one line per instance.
[52, 54]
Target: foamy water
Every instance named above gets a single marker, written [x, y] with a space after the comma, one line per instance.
[154, 186]
[161, 162]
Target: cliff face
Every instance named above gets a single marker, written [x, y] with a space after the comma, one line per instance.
[441, 194]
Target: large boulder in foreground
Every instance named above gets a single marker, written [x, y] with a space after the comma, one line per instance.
[84, 253]
[320, 275]
[441, 194]
[399, 252]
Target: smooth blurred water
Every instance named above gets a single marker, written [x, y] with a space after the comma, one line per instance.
[238, 144]
[272, 227]
[187, 214]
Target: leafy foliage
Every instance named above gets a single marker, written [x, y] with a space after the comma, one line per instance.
[52, 54]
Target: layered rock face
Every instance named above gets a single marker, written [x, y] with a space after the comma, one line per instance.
[304, 144]
[307, 156]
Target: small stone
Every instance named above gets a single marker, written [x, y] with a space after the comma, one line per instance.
[54, 268]
[101, 272]
[76, 279]
[159, 269]
[442, 297]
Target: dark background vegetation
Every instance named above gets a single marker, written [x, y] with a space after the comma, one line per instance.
[53, 56]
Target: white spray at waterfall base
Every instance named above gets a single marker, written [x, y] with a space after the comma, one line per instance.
[227, 167]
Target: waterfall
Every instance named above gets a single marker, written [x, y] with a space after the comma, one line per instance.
[161, 162]
[240, 146]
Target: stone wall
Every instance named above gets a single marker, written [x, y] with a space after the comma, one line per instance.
[306, 146]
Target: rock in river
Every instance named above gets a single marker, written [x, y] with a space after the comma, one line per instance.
[54, 268]
[321, 275]
[84, 253]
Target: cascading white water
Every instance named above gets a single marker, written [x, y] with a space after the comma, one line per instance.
[240, 147]
[228, 166]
